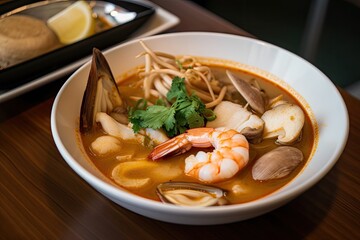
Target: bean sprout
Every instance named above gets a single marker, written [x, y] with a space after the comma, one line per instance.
[160, 68]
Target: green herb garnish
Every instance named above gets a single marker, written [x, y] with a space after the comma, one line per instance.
[184, 113]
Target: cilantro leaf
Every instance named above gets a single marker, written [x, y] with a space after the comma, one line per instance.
[184, 113]
[153, 117]
[177, 89]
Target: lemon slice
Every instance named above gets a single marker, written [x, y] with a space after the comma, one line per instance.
[73, 23]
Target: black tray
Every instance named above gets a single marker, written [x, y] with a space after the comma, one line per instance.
[29, 70]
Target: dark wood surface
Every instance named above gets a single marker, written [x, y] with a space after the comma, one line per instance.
[42, 198]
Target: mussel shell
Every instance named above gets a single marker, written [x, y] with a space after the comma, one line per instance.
[190, 194]
[277, 163]
[100, 71]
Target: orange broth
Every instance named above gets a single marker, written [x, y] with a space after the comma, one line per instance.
[247, 188]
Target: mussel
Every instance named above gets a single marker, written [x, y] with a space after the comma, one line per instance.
[101, 93]
[191, 194]
[277, 163]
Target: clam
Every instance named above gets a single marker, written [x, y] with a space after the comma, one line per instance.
[190, 194]
[251, 94]
[101, 94]
[277, 163]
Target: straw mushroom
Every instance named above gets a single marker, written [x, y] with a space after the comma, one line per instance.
[234, 116]
[285, 122]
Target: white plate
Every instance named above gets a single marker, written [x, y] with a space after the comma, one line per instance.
[161, 21]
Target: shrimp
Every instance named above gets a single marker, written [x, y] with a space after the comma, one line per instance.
[230, 155]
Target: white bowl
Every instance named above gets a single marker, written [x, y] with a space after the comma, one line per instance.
[317, 91]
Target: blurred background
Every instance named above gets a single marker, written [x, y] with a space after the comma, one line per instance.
[325, 32]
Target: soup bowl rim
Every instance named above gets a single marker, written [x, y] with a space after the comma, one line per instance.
[132, 201]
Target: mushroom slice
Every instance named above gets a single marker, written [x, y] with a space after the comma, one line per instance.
[277, 163]
[234, 116]
[251, 94]
[253, 128]
[278, 100]
[190, 194]
[285, 122]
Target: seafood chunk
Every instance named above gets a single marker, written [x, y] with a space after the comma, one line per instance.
[285, 121]
[277, 163]
[101, 93]
[119, 130]
[121, 171]
[230, 155]
[156, 136]
[190, 194]
[251, 94]
[126, 174]
[234, 116]
[116, 129]
[105, 145]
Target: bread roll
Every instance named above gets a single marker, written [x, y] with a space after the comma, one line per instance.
[22, 38]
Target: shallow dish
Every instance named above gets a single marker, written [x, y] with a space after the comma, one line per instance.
[161, 21]
[134, 15]
[310, 85]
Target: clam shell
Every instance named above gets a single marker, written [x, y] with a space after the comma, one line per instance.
[277, 163]
[251, 94]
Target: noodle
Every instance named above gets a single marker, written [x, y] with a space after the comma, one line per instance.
[157, 76]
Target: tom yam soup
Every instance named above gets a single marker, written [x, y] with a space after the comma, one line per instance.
[193, 132]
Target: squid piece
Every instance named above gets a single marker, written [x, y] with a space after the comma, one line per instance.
[116, 129]
[125, 132]
[121, 171]
[156, 136]
[126, 174]
[234, 116]
[105, 145]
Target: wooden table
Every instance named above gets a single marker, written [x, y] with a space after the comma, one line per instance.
[42, 198]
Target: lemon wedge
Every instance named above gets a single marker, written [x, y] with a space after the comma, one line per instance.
[73, 23]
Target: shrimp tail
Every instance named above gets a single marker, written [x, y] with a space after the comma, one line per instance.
[174, 146]
[196, 137]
